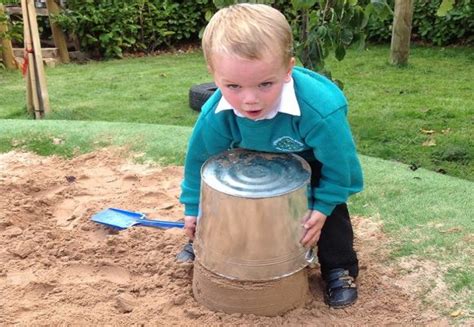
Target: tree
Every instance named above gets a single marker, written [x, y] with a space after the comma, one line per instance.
[401, 32]
[324, 26]
[402, 19]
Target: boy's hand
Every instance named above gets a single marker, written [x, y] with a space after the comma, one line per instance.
[190, 226]
[313, 222]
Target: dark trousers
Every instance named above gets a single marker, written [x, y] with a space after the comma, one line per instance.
[336, 244]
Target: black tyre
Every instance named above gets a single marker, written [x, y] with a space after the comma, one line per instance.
[198, 94]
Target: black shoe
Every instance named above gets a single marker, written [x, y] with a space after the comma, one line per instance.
[341, 290]
[186, 254]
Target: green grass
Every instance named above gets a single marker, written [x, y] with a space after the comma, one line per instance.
[422, 114]
[393, 110]
[159, 143]
[143, 90]
[428, 212]
[427, 215]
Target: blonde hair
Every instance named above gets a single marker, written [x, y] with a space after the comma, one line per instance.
[249, 31]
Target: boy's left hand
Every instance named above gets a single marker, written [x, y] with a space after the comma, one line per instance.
[313, 223]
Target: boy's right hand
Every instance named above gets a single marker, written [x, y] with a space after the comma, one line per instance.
[190, 226]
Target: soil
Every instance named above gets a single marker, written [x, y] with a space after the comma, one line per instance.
[59, 268]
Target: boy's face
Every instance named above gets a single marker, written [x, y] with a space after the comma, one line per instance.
[252, 87]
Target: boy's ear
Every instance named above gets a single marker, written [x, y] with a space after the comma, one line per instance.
[209, 69]
[291, 64]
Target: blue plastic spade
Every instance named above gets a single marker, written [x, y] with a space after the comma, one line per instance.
[122, 219]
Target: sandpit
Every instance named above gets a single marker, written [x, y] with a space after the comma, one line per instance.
[59, 268]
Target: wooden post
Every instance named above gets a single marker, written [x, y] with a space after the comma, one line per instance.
[38, 58]
[58, 35]
[402, 19]
[37, 93]
[7, 49]
[32, 103]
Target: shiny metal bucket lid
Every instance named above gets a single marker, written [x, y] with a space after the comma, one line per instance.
[250, 174]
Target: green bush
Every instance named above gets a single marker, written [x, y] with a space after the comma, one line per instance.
[107, 28]
[455, 28]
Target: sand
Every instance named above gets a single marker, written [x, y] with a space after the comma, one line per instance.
[59, 268]
[263, 298]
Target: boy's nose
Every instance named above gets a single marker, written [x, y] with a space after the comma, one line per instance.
[250, 98]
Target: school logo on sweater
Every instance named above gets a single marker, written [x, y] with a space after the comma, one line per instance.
[288, 144]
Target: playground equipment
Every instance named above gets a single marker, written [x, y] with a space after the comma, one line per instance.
[32, 61]
[51, 55]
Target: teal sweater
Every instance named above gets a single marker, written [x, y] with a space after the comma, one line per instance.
[322, 128]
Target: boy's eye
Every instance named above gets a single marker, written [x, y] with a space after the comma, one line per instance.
[233, 86]
[266, 84]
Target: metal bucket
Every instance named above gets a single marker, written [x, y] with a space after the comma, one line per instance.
[250, 223]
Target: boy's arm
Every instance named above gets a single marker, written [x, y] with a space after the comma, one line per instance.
[341, 173]
[190, 226]
[205, 142]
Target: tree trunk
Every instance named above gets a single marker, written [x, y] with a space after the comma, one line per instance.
[7, 50]
[401, 32]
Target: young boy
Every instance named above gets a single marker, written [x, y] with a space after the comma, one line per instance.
[266, 104]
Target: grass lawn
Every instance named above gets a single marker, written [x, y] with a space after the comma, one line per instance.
[143, 90]
[421, 115]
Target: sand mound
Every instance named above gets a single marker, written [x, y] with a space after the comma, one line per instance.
[58, 267]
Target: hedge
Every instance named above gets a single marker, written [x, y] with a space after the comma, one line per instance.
[108, 28]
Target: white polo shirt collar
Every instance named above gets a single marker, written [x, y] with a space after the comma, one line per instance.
[288, 103]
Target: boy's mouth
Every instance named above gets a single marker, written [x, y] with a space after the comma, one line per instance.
[254, 113]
